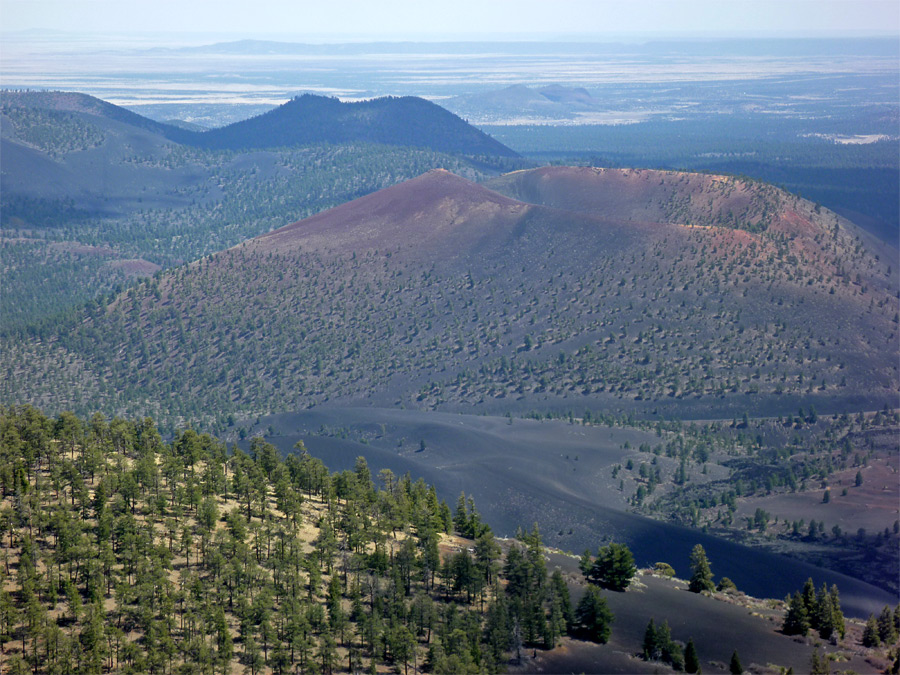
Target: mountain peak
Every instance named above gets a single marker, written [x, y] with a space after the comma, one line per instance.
[309, 118]
[437, 210]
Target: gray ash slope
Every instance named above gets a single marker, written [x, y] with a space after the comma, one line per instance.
[557, 475]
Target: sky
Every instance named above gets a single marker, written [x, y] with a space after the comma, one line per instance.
[326, 20]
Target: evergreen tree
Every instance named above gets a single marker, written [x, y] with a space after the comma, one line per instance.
[810, 603]
[837, 615]
[796, 621]
[691, 658]
[651, 648]
[734, 666]
[887, 632]
[497, 630]
[614, 567]
[461, 515]
[327, 653]
[593, 616]
[825, 613]
[870, 636]
[726, 584]
[701, 574]
[585, 563]
[561, 592]
[819, 665]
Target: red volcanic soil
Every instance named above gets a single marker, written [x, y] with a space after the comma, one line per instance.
[438, 212]
[132, 267]
[628, 194]
[873, 506]
[795, 224]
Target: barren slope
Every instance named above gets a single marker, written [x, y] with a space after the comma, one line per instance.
[437, 214]
[551, 473]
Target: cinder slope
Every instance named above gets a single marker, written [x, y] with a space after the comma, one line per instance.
[441, 294]
[436, 214]
[643, 195]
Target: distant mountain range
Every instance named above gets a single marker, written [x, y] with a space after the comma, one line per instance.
[100, 158]
[854, 46]
[559, 289]
[305, 120]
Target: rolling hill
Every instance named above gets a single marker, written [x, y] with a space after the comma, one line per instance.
[98, 159]
[407, 121]
[308, 119]
[87, 187]
[722, 297]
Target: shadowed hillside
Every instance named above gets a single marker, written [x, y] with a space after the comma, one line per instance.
[73, 102]
[304, 120]
[407, 120]
[561, 476]
[439, 294]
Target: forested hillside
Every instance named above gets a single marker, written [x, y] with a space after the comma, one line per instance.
[406, 121]
[309, 119]
[126, 553]
[93, 196]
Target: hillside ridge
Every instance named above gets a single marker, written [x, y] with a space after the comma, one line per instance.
[441, 294]
[303, 120]
[405, 120]
[412, 214]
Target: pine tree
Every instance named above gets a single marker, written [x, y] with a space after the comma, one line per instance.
[809, 603]
[701, 577]
[327, 653]
[735, 667]
[691, 658]
[498, 635]
[819, 665]
[870, 637]
[886, 630]
[796, 620]
[614, 567]
[585, 563]
[652, 650]
[461, 516]
[837, 616]
[825, 613]
[594, 616]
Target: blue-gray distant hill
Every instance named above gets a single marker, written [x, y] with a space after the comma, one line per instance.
[408, 121]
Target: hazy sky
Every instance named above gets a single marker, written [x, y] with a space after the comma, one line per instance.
[427, 19]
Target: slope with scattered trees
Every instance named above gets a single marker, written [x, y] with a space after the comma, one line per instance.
[544, 309]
